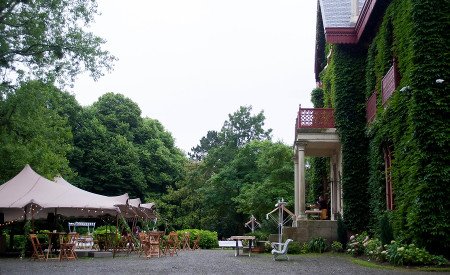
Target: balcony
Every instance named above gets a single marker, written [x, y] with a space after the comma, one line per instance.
[371, 107]
[389, 83]
[315, 118]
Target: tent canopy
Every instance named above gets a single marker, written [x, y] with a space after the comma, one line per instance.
[43, 196]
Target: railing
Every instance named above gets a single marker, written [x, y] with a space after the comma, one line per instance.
[390, 82]
[315, 118]
[371, 107]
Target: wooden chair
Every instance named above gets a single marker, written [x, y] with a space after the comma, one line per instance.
[278, 251]
[67, 246]
[153, 246]
[172, 244]
[143, 242]
[197, 243]
[38, 253]
[324, 214]
[186, 243]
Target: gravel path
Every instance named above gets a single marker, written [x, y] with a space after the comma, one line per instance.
[195, 262]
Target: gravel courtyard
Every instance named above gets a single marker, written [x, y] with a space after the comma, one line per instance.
[195, 262]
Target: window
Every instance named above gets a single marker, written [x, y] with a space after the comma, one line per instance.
[387, 151]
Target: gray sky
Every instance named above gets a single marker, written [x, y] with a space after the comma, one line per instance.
[190, 63]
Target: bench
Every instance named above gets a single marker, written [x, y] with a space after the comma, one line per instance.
[229, 244]
[280, 249]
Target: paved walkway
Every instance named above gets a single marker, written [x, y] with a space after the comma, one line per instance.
[195, 262]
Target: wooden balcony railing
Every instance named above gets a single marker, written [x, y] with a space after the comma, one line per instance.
[371, 107]
[390, 82]
[315, 118]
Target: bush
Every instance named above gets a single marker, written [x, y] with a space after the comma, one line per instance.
[386, 234]
[355, 245]
[208, 239]
[400, 254]
[374, 250]
[337, 246]
[317, 245]
[295, 248]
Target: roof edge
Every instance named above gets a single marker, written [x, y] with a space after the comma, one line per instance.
[351, 35]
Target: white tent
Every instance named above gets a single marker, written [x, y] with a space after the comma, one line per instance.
[30, 194]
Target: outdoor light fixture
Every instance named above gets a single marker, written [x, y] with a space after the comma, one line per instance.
[439, 80]
[405, 89]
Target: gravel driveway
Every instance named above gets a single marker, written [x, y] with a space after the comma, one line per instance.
[195, 262]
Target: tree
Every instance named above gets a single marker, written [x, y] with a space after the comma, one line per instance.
[35, 131]
[47, 39]
[118, 151]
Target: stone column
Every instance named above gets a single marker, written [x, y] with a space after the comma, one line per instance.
[296, 187]
[301, 179]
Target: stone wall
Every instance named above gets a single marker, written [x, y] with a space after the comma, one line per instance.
[310, 229]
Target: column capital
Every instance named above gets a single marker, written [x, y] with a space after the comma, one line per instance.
[300, 145]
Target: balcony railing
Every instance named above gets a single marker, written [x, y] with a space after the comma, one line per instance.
[371, 108]
[315, 118]
[390, 82]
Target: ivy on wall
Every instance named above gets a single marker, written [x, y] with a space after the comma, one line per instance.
[319, 165]
[344, 86]
[415, 122]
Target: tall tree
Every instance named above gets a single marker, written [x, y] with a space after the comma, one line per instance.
[47, 39]
[35, 131]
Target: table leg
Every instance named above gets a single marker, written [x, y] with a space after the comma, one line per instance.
[236, 252]
[249, 247]
[49, 248]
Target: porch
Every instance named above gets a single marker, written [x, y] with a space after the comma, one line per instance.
[315, 135]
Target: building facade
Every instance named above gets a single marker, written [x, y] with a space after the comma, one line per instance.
[383, 66]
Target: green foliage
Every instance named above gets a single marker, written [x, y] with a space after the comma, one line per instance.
[114, 145]
[208, 239]
[337, 246]
[317, 245]
[413, 123]
[48, 40]
[386, 234]
[295, 248]
[317, 98]
[400, 254]
[349, 62]
[34, 130]
[342, 231]
[356, 244]
[318, 178]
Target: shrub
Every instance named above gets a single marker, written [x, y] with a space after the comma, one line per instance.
[355, 245]
[295, 248]
[386, 234]
[400, 254]
[317, 245]
[337, 246]
[373, 248]
[208, 239]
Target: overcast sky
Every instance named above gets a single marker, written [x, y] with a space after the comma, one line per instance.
[190, 63]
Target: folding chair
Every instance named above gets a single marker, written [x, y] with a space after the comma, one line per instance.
[186, 241]
[38, 253]
[67, 246]
[143, 242]
[172, 244]
[153, 247]
[196, 243]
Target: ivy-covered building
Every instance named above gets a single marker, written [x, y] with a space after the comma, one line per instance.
[384, 69]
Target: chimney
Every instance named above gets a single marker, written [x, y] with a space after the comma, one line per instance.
[355, 10]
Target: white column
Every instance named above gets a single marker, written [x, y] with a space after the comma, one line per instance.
[296, 187]
[301, 179]
[334, 183]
